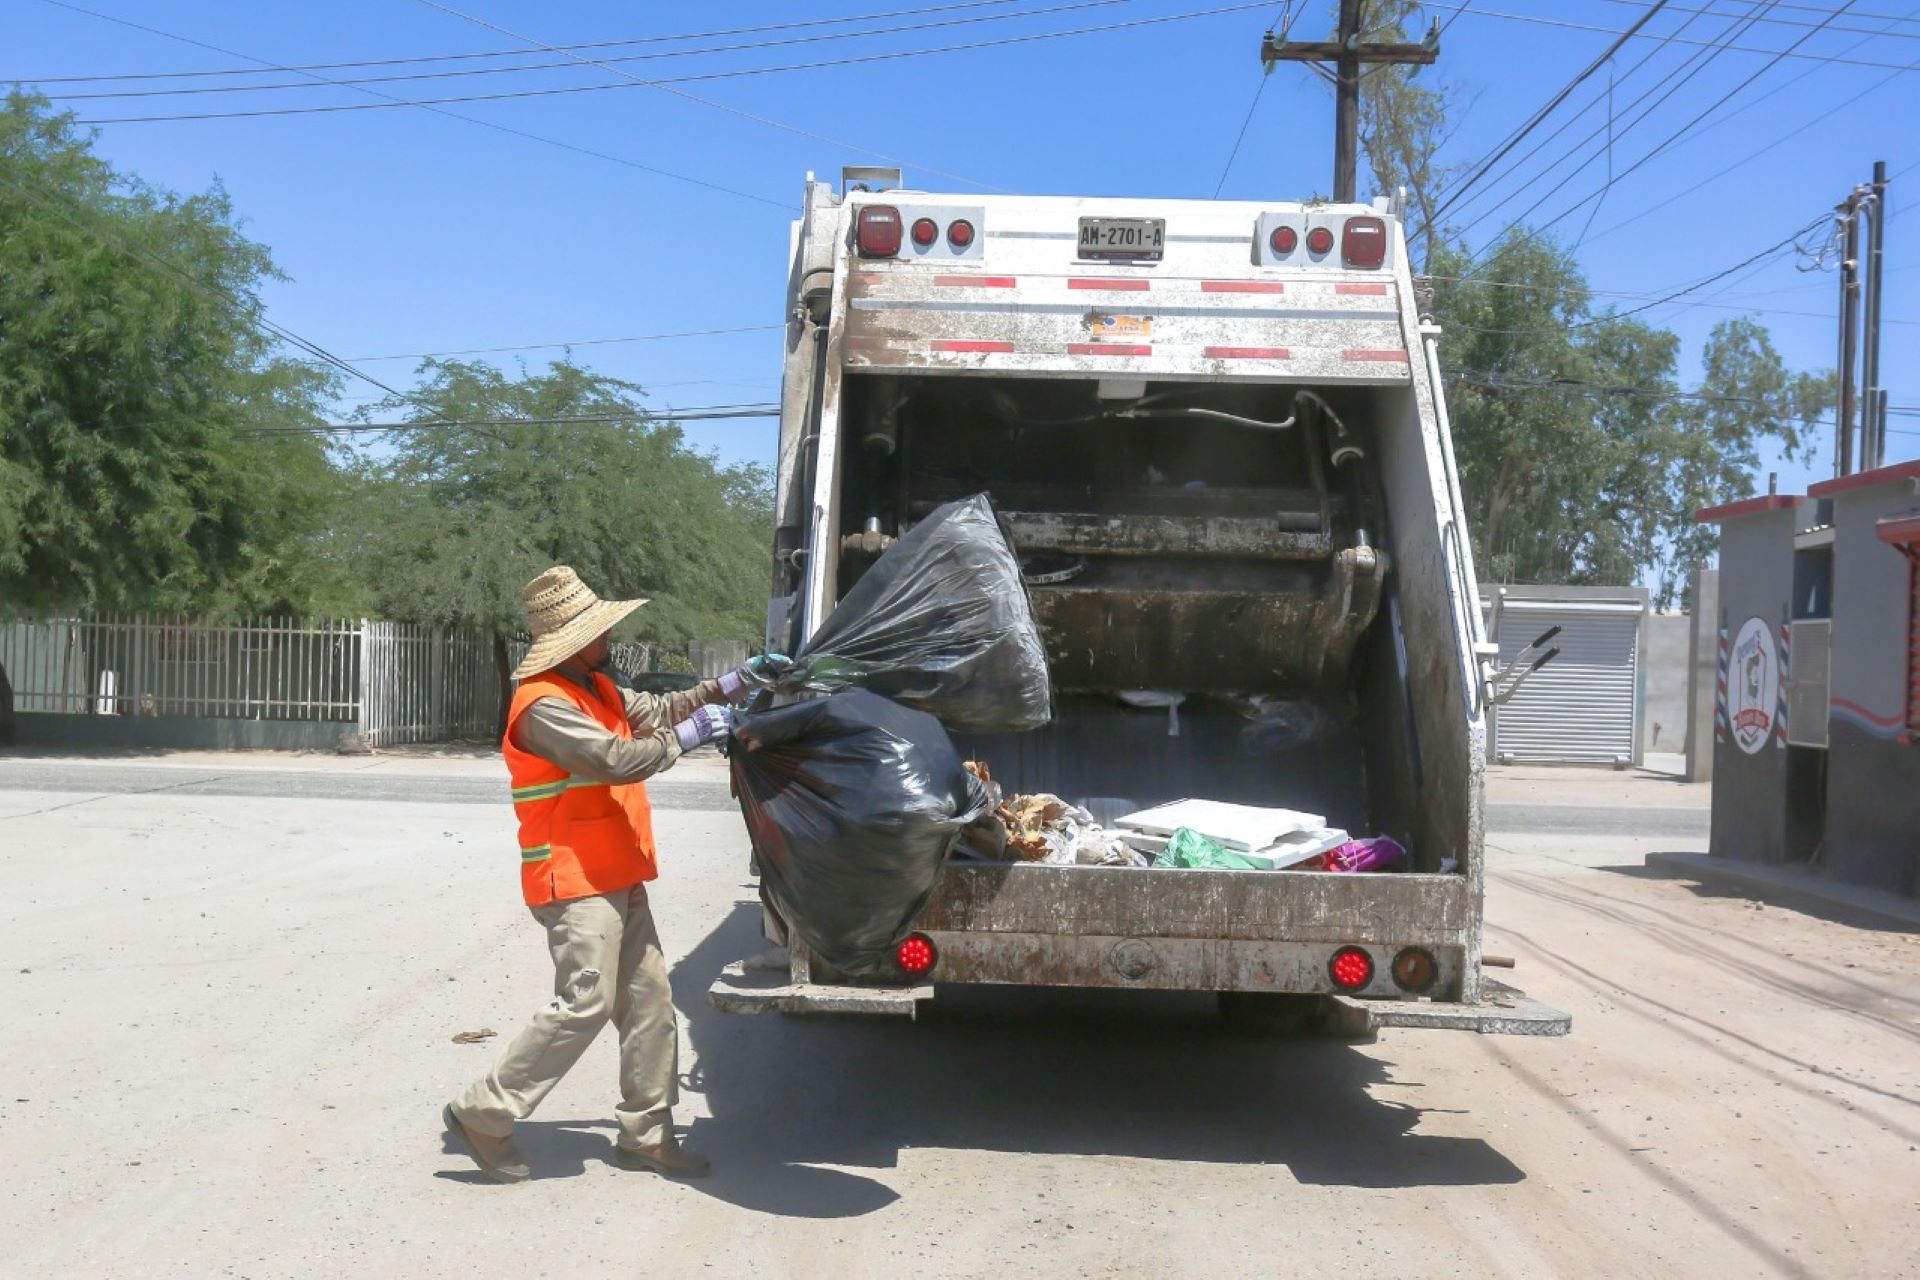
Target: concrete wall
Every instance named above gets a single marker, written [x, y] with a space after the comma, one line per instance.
[1665, 651]
[1756, 581]
[1873, 769]
[48, 729]
[1703, 627]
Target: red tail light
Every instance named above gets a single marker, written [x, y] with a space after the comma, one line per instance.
[1351, 968]
[960, 233]
[1319, 240]
[879, 231]
[1363, 242]
[925, 232]
[1284, 240]
[916, 954]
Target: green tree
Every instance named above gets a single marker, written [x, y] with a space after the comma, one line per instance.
[1403, 121]
[133, 382]
[459, 518]
[1581, 458]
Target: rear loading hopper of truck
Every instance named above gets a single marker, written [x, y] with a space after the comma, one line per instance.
[1216, 434]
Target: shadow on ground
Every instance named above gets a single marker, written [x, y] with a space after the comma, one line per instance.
[1785, 898]
[1155, 1076]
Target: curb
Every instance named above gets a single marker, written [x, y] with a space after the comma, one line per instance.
[1794, 888]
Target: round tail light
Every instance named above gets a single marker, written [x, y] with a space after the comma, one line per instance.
[1284, 240]
[1415, 969]
[925, 232]
[1351, 968]
[1319, 240]
[960, 233]
[916, 954]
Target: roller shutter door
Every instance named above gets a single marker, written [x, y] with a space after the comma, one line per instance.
[1583, 707]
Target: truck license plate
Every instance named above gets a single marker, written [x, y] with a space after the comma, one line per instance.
[1134, 239]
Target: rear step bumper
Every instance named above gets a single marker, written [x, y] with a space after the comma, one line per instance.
[1502, 1011]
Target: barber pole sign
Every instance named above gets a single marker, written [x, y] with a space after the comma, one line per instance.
[1785, 675]
[1720, 690]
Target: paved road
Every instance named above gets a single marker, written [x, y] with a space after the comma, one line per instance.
[228, 1022]
[706, 791]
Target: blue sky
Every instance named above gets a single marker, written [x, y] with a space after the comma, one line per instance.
[403, 230]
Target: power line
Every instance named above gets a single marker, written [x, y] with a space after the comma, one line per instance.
[665, 82]
[1533, 122]
[1695, 185]
[695, 413]
[1672, 82]
[1794, 22]
[709, 103]
[1566, 124]
[433, 58]
[578, 342]
[1484, 380]
[1768, 252]
[495, 126]
[219, 294]
[314, 81]
[1562, 23]
[1670, 139]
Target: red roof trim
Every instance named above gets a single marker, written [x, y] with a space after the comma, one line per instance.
[1862, 479]
[1746, 507]
[1902, 530]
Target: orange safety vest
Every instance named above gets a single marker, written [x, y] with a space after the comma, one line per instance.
[577, 837]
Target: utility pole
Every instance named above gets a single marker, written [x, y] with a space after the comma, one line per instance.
[1849, 211]
[1873, 425]
[1347, 52]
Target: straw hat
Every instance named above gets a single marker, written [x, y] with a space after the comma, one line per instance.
[565, 616]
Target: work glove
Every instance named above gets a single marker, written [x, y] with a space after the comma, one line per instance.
[703, 726]
[742, 682]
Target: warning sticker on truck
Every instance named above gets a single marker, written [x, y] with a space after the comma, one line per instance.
[1102, 325]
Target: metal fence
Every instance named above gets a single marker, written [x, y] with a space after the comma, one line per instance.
[422, 683]
[396, 682]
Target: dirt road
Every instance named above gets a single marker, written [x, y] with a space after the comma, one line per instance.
[228, 1011]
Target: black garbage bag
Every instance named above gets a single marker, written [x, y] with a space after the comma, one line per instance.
[853, 803]
[941, 622]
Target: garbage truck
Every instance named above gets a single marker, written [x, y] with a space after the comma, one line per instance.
[1215, 434]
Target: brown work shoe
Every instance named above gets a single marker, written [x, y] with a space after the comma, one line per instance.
[498, 1158]
[668, 1159]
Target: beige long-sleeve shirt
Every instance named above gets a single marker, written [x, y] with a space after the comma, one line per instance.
[556, 730]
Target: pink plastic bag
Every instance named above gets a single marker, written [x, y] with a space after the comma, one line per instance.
[1373, 853]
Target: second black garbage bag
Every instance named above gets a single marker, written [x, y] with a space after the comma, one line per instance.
[852, 802]
[941, 622]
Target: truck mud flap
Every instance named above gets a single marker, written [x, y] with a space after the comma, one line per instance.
[740, 990]
[1502, 1011]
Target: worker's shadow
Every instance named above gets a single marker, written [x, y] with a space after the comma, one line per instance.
[1146, 1075]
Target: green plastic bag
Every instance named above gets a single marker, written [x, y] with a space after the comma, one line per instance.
[1188, 848]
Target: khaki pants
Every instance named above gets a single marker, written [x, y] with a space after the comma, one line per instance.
[606, 964]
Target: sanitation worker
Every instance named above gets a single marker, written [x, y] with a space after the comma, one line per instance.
[577, 748]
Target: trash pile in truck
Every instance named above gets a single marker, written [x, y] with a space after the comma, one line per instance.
[1207, 834]
[855, 796]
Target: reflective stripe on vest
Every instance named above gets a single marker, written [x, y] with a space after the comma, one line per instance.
[547, 790]
[577, 836]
